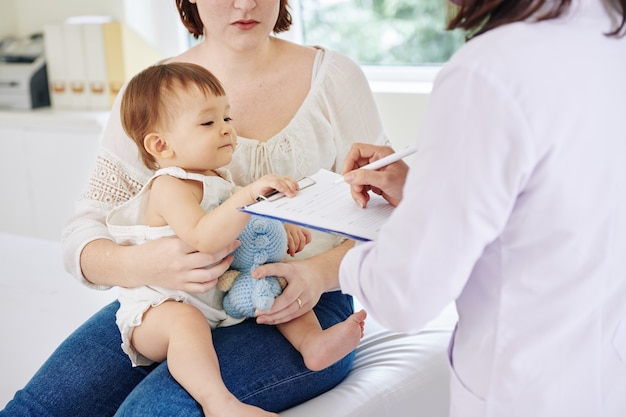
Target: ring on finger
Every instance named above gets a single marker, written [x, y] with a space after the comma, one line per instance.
[299, 302]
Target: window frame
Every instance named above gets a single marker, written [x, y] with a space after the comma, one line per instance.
[382, 78]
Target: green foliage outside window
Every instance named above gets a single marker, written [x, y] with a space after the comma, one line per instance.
[382, 32]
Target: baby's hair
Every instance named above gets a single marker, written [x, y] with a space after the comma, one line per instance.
[147, 101]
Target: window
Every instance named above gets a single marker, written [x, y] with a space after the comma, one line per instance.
[381, 32]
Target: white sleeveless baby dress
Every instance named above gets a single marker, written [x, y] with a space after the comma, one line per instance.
[124, 224]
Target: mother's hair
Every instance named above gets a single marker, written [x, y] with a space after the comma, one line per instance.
[191, 19]
[480, 16]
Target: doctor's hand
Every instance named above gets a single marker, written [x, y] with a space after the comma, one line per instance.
[387, 181]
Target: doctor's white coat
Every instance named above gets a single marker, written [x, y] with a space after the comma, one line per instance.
[515, 207]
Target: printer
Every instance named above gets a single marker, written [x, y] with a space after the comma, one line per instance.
[23, 77]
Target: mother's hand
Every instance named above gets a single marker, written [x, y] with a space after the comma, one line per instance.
[307, 280]
[302, 293]
[171, 263]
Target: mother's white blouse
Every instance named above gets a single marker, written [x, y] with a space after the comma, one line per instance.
[338, 111]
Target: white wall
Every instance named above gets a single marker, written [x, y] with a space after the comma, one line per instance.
[402, 115]
[32, 15]
[25, 17]
[8, 25]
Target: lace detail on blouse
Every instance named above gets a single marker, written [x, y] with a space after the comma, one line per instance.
[109, 185]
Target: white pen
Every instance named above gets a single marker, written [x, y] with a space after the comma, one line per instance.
[387, 160]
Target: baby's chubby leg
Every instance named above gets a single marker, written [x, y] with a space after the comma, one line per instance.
[321, 348]
[181, 334]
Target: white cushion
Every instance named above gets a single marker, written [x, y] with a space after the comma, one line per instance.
[394, 375]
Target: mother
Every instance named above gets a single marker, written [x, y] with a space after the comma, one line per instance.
[296, 109]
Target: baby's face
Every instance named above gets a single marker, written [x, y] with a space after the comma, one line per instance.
[201, 133]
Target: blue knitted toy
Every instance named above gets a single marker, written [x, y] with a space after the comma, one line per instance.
[262, 241]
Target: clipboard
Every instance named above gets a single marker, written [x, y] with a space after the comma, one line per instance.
[321, 204]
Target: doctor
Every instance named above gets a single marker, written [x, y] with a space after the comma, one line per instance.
[515, 208]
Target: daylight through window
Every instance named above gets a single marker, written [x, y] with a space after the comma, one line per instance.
[380, 32]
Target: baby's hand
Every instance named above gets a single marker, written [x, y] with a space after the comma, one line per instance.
[297, 238]
[268, 183]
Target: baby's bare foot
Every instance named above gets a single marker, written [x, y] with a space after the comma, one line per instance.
[320, 350]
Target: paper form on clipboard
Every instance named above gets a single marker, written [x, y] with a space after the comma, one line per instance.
[328, 207]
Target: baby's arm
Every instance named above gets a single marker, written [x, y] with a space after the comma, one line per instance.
[297, 238]
[177, 202]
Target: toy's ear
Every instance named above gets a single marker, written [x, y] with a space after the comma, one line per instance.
[226, 281]
[157, 146]
[282, 282]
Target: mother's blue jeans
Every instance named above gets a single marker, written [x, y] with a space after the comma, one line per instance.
[89, 374]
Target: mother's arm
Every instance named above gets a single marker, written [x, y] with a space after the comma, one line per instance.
[166, 262]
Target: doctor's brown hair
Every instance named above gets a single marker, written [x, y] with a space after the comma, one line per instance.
[191, 18]
[480, 16]
[147, 101]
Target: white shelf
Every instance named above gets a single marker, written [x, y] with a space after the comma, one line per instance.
[46, 160]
